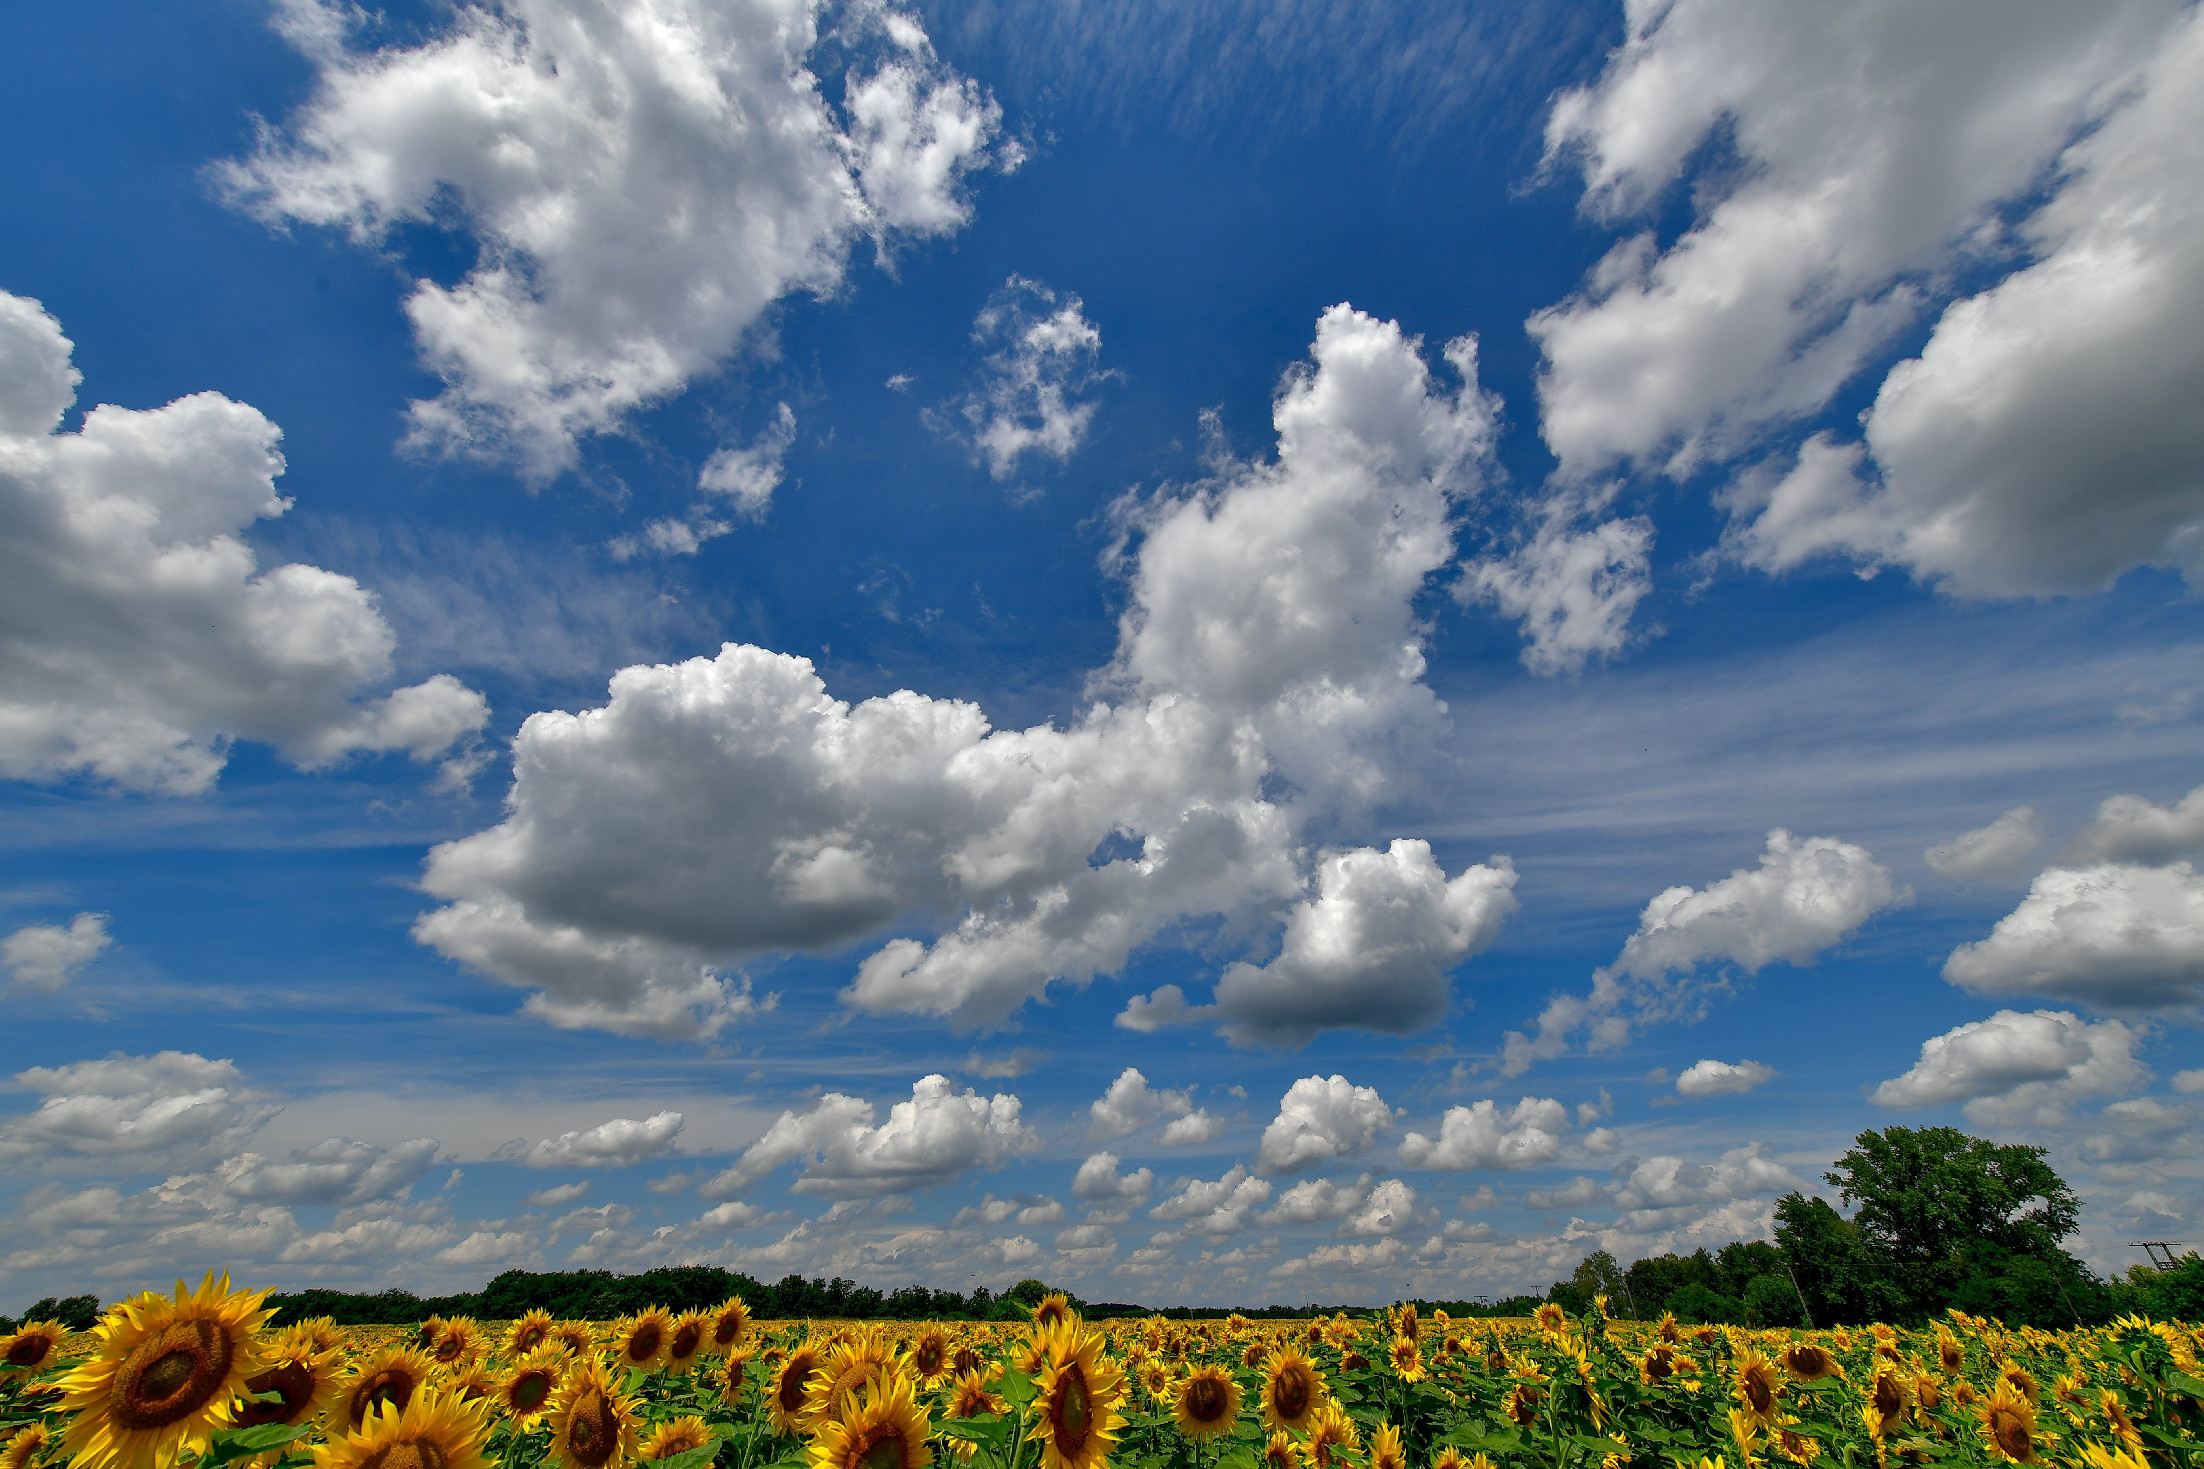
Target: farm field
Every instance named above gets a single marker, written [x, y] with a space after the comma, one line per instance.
[199, 1378]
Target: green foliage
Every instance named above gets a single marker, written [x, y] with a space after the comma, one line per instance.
[78, 1313]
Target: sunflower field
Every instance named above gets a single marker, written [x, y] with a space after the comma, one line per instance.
[198, 1379]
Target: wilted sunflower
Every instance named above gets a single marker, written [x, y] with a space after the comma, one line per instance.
[791, 1385]
[1385, 1449]
[1080, 1389]
[31, 1348]
[1331, 1435]
[884, 1428]
[29, 1444]
[1053, 1311]
[529, 1332]
[433, 1431]
[1810, 1363]
[388, 1378]
[930, 1355]
[730, 1327]
[644, 1338]
[303, 1378]
[1206, 1403]
[526, 1392]
[163, 1376]
[677, 1436]
[2009, 1424]
[592, 1426]
[1407, 1359]
[1292, 1391]
[685, 1345]
[1756, 1387]
[970, 1398]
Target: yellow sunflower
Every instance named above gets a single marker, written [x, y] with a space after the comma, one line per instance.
[1332, 1436]
[1522, 1402]
[2009, 1424]
[1407, 1359]
[1292, 1391]
[304, 1379]
[326, 1335]
[930, 1355]
[1797, 1447]
[791, 1386]
[164, 1375]
[592, 1426]
[687, 1341]
[31, 1348]
[967, 1359]
[970, 1398]
[1450, 1457]
[529, 1332]
[455, 1343]
[644, 1338]
[388, 1378]
[847, 1367]
[676, 1436]
[2096, 1456]
[1280, 1453]
[1053, 1311]
[1756, 1388]
[1385, 1449]
[1079, 1392]
[1888, 1399]
[1207, 1402]
[734, 1376]
[525, 1393]
[1810, 1363]
[433, 1431]
[29, 1444]
[884, 1428]
[1551, 1317]
[574, 1338]
[730, 1328]
[2023, 1381]
[2116, 1418]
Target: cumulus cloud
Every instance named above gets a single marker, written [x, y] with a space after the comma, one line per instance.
[558, 1196]
[1191, 1131]
[143, 635]
[1722, 1078]
[1099, 1182]
[2112, 935]
[938, 1134]
[1804, 897]
[1045, 353]
[2131, 829]
[2040, 442]
[1131, 1104]
[1388, 1209]
[1165, 1006]
[743, 477]
[622, 1142]
[336, 1171]
[47, 956]
[641, 181]
[1573, 589]
[175, 1105]
[1267, 687]
[2001, 851]
[2019, 1066]
[1371, 950]
[1318, 1200]
[1224, 1207]
[1321, 1118]
[1655, 1192]
[1484, 1136]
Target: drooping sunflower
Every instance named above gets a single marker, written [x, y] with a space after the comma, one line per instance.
[1053, 1311]
[1331, 1435]
[304, 1379]
[1077, 1401]
[1797, 1447]
[1757, 1387]
[1407, 1358]
[1927, 1392]
[676, 1436]
[930, 1355]
[31, 1348]
[1292, 1391]
[1206, 1403]
[730, 1328]
[1810, 1363]
[791, 1385]
[30, 1443]
[592, 1426]
[645, 1338]
[529, 1332]
[685, 1344]
[884, 1428]
[433, 1431]
[164, 1375]
[388, 1378]
[525, 1393]
[1385, 1449]
[2009, 1425]
[970, 1398]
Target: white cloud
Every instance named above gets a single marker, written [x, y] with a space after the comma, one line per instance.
[336, 1171]
[1086, 1237]
[1319, 1119]
[46, 956]
[1483, 1136]
[2189, 1081]
[1166, 1006]
[1045, 353]
[1193, 1130]
[641, 179]
[1098, 1181]
[1268, 680]
[929, 1140]
[143, 637]
[2001, 851]
[748, 476]
[1371, 950]
[1866, 159]
[172, 1107]
[1389, 1209]
[558, 1196]
[1575, 1194]
[1722, 1078]
[2113, 935]
[1217, 1209]
[2014, 1067]
[2131, 829]
[1805, 897]
[1318, 1200]
[1659, 1190]
[1131, 1104]
[622, 1142]
[1574, 590]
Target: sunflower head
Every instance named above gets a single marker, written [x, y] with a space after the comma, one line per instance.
[592, 1426]
[1281, 1453]
[1053, 1311]
[1254, 1352]
[1522, 1403]
[2009, 1424]
[734, 1376]
[846, 1366]
[1407, 1359]
[1206, 1403]
[1385, 1449]
[883, 1428]
[2022, 1379]
[529, 1333]
[730, 1328]
[525, 1393]
[930, 1355]
[433, 1430]
[685, 1344]
[791, 1386]
[970, 1398]
[1450, 1457]
[1551, 1317]
[574, 1338]
[164, 1375]
[1757, 1387]
[967, 1359]
[31, 1348]
[2116, 1418]
[1810, 1363]
[1076, 1416]
[1292, 1391]
[388, 1378]
[645, 1339]
[456, 1342]
[303, 1378]
[1667, 1330]
[29, 1444]
[676, 1436]
[1332, 1435]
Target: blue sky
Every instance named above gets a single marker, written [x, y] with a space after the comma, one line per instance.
[1262, 654]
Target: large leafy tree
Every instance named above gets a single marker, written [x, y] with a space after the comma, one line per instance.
[1927, 1193]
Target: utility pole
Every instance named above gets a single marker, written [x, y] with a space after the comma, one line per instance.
[1802, 1308]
